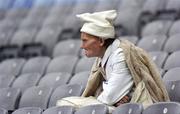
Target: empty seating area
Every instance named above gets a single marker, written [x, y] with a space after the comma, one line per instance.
[41, 60]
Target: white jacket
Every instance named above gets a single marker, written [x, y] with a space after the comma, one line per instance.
[117, 75]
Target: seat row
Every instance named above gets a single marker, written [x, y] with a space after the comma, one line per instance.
[36, 96]
[129, 108]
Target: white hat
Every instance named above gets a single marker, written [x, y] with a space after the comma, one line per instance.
[99, 23]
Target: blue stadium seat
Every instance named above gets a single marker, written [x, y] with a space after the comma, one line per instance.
[21, 4]
[6, 4]
[38, 3]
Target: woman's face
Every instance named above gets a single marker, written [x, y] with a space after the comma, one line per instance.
[92, 45]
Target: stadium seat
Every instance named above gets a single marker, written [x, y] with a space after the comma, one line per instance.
[67, 33]
[62, 64]
[62, 9]
[40, 12]
[12, 66]
[9, 98]
[133, 39]
[6, 4]
[38, 3]
[60, 110]
[6, 24]
[55, 79]
[157, 27]
[48, 37]
[128, 18]
[65, 91]
[24, 36]
[16, 13]
[154, 5]
[129, 108]
[36, 97]
[5, 36]
[163, 108]
[144, 18]
[2, 13]
[36, 65]
[71, 26]
[83, 6]
[152, 43]
[25, 81]
[93, 109]
[29, 22]
[172, 88]
[67, 47]
[172, 44]
[172, 74]
[28, 110]
[174, 29]
[172, 61]
[131, 4]
[53, 20]
[159, 57]
[3, 111]
[173, 4]
[22, 4]
[6, 80]
[84, 64]
[80, 78]
[103, 5]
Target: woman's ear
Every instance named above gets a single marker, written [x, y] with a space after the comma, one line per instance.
[102, 42]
